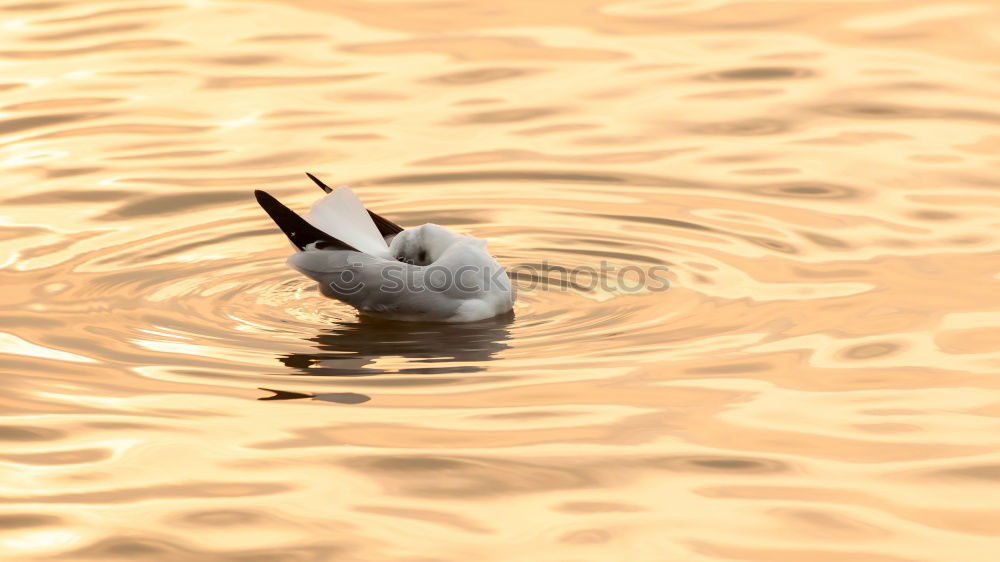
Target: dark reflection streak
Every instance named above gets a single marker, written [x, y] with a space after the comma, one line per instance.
[348, 349]
[283, 394]
[823, 240]
[52, 173]
[658, 221]
[479, 75]
[775, 245]
[625, 257]
[891, 111]
[88, 32]
[111, 12]
[31, 6]
[767, 243]
[132, 494]
[508, 115]
[758, 73]
[440, 476]
[24, 123]
[126, 546]
[26, 520]
[602, 241]
[62, 196]
[243, 60]
[720, 464]
[747, 127]
[136, 44]
[224, 82]
[981, 472]
[288, 37]
[811, 190]
[28, 433]
[533, 175]
[174, 203]
[338, 397]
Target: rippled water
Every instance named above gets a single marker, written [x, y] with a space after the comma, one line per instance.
[819, 383]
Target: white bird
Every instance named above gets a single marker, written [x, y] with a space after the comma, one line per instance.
[426, 273]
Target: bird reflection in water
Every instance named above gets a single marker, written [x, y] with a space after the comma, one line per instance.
[351, 349]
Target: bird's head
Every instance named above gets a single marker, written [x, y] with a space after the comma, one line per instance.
[422, 245]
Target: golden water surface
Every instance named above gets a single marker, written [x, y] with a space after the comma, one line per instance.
[819, 384]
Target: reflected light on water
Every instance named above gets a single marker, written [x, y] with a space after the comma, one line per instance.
[816, 181]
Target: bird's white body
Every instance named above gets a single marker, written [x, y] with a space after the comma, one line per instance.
[426, 273]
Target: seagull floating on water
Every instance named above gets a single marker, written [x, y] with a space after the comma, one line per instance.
[425, 273]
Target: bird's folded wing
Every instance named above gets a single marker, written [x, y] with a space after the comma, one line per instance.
[378, 286]
[342, 215]
[299, 232]
[385, 227]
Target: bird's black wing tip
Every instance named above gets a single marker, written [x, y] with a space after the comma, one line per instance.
[297, 229]
[385, 226]
[318, 182]
[263, 197]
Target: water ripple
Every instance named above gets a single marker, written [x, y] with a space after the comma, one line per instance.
[754, 250]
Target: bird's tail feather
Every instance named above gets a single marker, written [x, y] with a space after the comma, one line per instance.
[342, 215]
[385, 226]
[298, 231]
